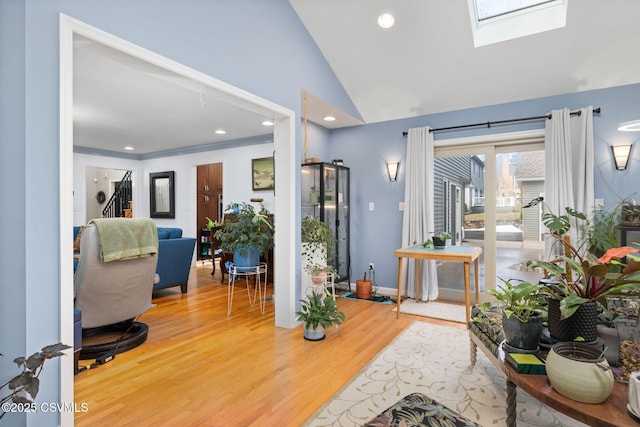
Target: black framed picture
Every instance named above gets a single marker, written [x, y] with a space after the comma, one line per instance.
[262, 174]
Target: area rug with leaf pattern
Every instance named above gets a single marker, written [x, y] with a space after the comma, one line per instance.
[432, 360]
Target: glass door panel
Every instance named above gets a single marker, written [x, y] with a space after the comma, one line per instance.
[483, 190]
[520, 178]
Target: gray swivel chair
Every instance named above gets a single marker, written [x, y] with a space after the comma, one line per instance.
[111, 295]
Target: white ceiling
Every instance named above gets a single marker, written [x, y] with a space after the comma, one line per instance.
[425, 64]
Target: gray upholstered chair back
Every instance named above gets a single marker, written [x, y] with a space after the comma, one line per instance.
[114, 291]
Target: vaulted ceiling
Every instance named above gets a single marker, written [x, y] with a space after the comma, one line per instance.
[426, 63]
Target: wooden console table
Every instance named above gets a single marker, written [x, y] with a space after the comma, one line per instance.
[611, 413]
[465, 254]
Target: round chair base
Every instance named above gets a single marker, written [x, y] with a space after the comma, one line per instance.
[129, 335]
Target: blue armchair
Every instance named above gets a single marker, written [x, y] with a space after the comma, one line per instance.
[175, 254]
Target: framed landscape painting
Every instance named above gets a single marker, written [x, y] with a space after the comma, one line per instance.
[262, 174]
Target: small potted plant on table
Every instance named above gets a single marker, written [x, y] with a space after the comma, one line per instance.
[440, 239]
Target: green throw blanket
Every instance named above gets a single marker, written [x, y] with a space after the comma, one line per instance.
[126, 238]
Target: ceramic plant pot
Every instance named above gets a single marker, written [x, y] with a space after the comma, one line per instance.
[575, 370]
[318, 277]
[316, 334]
[522, 335]
[583, 323]
[250, 258]
[438, 242]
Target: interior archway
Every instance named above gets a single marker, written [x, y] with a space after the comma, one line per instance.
[285, 164]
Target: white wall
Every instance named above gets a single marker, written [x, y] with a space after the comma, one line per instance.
[80, 180]
[99, 179]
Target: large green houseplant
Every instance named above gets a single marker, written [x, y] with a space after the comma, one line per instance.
[580, 279]
[318, 311]
[247, 232]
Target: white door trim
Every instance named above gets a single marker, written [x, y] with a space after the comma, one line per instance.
[285, 164]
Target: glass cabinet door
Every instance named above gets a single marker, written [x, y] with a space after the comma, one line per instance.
[325, 195]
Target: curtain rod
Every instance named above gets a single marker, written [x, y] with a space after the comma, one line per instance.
[499, 122]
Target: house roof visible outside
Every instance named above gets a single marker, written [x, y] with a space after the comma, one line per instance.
[530, 165]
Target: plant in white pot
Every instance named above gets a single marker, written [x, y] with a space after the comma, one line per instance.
[248, 235]
[318, 311]
[523, 306]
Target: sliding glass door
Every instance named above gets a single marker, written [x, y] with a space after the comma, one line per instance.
[480, 190]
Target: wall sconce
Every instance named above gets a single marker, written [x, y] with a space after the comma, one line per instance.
[621, 155]
[392, 168]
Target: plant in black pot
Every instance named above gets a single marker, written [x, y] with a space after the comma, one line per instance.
[579, 279]
[440, 239]
[246, 233]
[318, 311]
[522, 305]
[577, 289]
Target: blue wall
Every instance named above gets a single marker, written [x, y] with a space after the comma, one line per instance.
[259, 46]
[366, 149]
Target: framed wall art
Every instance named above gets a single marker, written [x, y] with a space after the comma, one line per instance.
[262, 174]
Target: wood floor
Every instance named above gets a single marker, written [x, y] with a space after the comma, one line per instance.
[200, 367]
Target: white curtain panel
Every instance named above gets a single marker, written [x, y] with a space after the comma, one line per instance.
[569, 165]
[417, 221]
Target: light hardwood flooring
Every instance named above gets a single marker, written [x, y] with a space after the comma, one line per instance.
[200, 367]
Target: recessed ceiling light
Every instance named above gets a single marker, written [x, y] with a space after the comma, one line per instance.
[267, 123]
[128, 147]
[386, 20]
[329, 119]
[221, 131]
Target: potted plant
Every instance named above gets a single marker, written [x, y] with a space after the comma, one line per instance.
[522, 306]
[581, 279]
[248, 235]
[438, 240]
[318, 311]
[319, 272]
[318, 247]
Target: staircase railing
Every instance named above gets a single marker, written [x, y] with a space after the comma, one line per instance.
[120, 199]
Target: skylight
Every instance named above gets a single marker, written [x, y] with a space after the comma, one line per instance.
[493, 21]
[486, 9]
